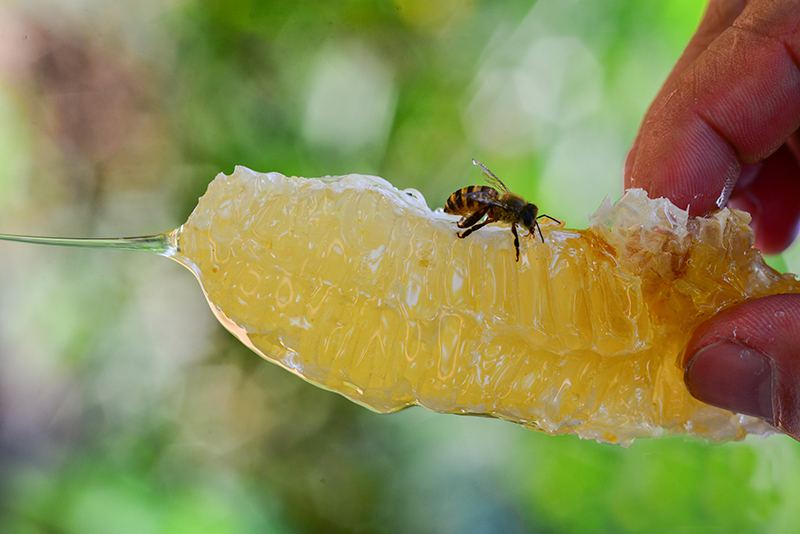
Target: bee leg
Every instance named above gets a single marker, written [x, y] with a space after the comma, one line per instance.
[471, 219]
[516, 238]
[471, 229]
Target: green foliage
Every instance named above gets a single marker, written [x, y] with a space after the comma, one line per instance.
[671, 485]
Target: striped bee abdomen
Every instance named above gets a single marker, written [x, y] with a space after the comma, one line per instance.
[468, 199]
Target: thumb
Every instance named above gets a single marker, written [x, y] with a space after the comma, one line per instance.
[747, 360]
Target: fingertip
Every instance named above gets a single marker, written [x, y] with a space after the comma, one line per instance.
[734, 377]
[684, 159]
[733, 104]
[771, 198]
[747, 360]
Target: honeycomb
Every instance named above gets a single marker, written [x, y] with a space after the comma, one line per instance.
[361, 289]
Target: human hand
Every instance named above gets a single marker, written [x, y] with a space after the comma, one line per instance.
[724, 130]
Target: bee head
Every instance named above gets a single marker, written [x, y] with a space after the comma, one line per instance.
[529, 216]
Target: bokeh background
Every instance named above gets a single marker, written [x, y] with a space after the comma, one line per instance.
[124, 406]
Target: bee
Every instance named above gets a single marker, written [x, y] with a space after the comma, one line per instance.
[476, 201]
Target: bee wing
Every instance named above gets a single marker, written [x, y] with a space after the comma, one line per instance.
[490, 177]
[483, 198]
[486, 201]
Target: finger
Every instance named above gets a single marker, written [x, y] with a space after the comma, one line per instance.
[773, 200]
[736, 103]
[747, 360]
[719, 16]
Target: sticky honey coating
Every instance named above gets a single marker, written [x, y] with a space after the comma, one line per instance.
[361, 289]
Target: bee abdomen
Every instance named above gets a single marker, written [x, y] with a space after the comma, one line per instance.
[459, 202]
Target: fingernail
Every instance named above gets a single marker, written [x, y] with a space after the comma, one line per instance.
[734, 377]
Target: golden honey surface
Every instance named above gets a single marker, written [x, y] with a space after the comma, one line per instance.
[360, 288]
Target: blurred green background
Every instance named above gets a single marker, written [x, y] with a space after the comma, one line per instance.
[124, 406]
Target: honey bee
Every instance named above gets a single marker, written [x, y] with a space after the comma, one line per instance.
[476, 201]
